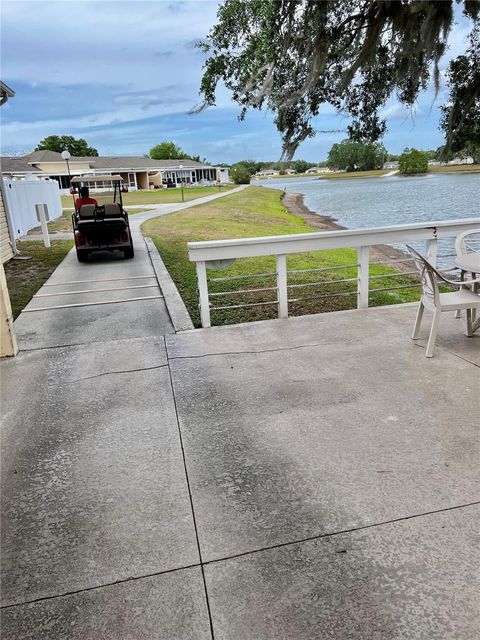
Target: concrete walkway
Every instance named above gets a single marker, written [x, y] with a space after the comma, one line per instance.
[71, 307]
[315, 477]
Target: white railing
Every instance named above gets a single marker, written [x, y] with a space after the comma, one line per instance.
[219, 253]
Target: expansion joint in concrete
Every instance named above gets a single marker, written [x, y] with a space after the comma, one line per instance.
[254, 352]
[332, 534]
[207, 600]
[73, 592]
[109, 373]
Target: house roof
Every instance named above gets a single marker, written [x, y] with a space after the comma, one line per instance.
[44, 156]
[15, 164]
[138, 162]
[5, 92]
[28, 163]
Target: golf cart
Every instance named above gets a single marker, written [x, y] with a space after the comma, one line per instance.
[100, 223]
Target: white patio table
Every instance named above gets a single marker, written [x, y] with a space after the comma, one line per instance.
[470, 262]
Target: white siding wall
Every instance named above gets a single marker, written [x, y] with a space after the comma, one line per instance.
[6, 251]
[23, 195]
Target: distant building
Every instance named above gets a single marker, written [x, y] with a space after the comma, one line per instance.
[137, 172]
[268, 173]
[314, 170]
[464, 160]
[393, 164]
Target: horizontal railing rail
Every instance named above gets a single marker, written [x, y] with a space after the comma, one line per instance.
[220, 253]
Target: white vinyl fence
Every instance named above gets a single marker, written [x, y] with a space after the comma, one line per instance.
[23, 195]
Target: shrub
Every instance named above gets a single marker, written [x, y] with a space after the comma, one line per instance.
[413, 161]
[240, 175]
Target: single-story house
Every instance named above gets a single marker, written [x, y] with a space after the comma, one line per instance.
[137, 172]
[7, 242]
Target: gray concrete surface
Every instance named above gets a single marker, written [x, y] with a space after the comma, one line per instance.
[84, 325]
[347, 431]
[170, 606]
[413, 579]
[94, 489]
[319, 472]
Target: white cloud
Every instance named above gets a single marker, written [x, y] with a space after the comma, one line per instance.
[104, 43]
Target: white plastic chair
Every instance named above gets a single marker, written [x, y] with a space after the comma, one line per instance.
[438, 302]
[464, 244]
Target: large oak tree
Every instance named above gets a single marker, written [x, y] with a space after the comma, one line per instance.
[293, 56]
[461, 112]
[76, 146]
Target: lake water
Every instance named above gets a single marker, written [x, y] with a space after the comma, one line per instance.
[380, 202]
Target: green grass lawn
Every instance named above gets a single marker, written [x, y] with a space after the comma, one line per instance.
[258, 211]
[459, 168]
[25, 277]
[354, 174]
[162, 196]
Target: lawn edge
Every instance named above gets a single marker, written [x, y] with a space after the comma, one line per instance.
[176, 308]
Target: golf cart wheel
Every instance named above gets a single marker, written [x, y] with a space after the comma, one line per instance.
[82, 256]
[128, 253]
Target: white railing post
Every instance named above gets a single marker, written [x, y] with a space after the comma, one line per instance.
[363, 274]
[431, 247]
[42, 217]
[203, 293]
[282, 291]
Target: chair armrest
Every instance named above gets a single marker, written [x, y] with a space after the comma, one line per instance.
[460, 283]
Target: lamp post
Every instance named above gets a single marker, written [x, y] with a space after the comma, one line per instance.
[181, 180]
[66, 156]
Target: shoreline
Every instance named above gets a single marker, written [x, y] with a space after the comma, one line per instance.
[294, 204]
[376, 173]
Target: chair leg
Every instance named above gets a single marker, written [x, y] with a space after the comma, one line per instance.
[418, 321]
[470, 319]
[433, 334]
[458, 313]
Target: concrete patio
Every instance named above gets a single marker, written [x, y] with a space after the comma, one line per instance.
[315, 477]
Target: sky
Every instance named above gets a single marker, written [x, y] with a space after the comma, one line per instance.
[123, 74]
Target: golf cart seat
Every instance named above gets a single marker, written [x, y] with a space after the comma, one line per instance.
[86, 211]
[113, 210]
